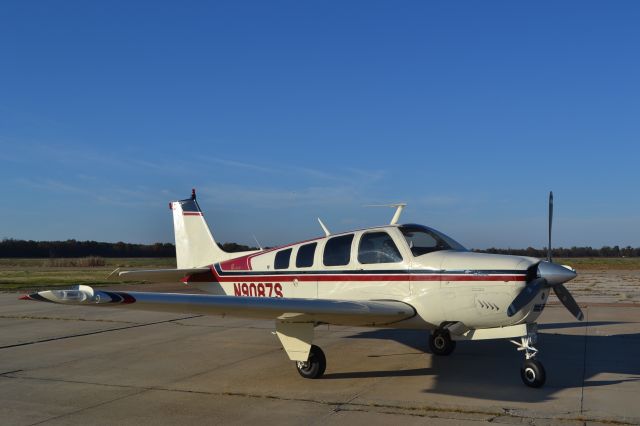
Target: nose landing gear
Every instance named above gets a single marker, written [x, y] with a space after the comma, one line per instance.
[532, 371]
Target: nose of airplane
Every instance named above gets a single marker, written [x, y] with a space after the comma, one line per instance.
[548, 275]
[555, 274]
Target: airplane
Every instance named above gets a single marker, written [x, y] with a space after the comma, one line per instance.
[404, 276]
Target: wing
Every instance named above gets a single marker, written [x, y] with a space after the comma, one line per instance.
[326, 311]
[156, 275]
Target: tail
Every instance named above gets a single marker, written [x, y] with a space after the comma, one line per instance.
[195, 245]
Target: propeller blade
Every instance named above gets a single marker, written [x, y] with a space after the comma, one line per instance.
[550, 223]
[568, 301]
[526, 295]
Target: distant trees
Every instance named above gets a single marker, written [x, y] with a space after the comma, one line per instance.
[234, 247]
[605, 251]
[72, 248]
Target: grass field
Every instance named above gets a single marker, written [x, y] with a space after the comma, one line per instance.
[22, 274]
[601, 263]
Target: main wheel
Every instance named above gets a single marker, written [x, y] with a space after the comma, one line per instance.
[440, 343]
[314, 366]
[532, 373]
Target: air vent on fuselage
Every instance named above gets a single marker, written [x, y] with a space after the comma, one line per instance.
[487, 305]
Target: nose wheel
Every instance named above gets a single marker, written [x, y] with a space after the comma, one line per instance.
[532, 372]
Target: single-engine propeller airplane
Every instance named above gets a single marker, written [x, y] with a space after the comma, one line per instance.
[397, 276]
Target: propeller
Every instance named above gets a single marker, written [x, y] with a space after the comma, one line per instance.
[547, 274]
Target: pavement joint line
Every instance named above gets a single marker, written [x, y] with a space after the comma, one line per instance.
[234, 362]
[421, 411]
[341, 406]
[87, 408]
[224, 365]
[90, 333]
[424, 415]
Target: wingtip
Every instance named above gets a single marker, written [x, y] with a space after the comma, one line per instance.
[26, 297]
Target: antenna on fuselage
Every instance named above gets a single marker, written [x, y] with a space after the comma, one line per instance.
[396, 216]
[324, 228]
[257, 242]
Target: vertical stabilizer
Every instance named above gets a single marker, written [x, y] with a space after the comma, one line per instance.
[195, 246]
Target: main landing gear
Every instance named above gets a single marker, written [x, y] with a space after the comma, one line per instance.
[532, 371]
[440, 342]
[314, 366]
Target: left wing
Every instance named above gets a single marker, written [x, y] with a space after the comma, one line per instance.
[327, 311]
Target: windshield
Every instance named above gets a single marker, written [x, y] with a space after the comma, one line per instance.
[422, 239]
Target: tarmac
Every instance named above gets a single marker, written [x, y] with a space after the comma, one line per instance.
[68, 365]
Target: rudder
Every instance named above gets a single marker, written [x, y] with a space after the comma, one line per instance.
[195, 245]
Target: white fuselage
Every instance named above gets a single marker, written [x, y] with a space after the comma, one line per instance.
[443, 286]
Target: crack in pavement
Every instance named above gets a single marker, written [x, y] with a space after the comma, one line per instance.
[32, 317]
[584, 359]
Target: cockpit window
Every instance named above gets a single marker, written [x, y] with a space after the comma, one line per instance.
[422, 239]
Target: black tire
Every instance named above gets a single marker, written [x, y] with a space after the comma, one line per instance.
[533, 374]
[440, 343]
[314, 367]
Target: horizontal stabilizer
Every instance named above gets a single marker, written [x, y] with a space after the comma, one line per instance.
[338, 312]
[155, 275]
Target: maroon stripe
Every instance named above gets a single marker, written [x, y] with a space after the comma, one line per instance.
[363, 277]
[237, 264]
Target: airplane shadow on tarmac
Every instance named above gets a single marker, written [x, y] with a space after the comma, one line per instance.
[490, 369]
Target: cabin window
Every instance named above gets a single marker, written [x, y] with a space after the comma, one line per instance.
[282, 259]
[378, 247]
[337, 251]
[304, 259]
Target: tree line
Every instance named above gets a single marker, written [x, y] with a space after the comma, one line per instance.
[605, 251]
[11, 248]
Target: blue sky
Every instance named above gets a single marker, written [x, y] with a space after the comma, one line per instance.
[279, 112]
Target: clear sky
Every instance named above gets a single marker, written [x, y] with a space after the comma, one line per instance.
[279, 112]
